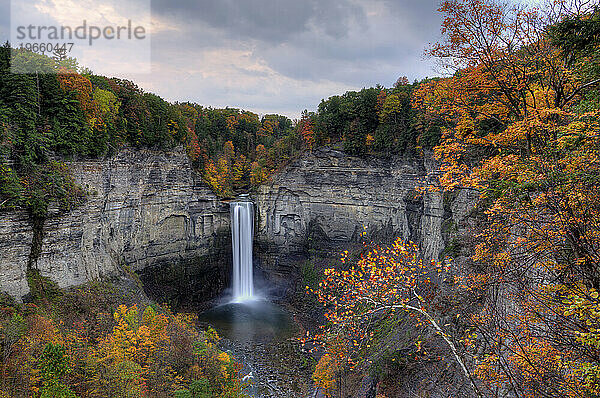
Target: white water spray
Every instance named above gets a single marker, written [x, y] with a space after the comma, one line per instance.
[242, 231]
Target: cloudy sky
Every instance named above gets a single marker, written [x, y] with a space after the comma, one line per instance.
[268, 56]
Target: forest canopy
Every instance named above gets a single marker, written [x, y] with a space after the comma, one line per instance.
[61, 110]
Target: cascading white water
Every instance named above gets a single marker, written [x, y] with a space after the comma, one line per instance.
[242, 231]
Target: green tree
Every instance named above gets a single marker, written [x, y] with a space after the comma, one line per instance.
[198, 389]
[54, 367]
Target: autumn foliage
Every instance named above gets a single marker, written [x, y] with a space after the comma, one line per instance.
[307, 130]
[132, 352]
[520, 131]
[364, 299]
[519, 121]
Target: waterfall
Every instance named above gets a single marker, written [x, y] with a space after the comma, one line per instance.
[242, 231]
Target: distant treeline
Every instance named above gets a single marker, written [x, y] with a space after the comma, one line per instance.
[64, 110]
[375, 120]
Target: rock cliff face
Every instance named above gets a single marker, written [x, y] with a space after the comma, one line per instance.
[148, 212]
[327, 198]
[16, 235]
[145, 209]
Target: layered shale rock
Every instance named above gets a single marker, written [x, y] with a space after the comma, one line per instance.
[327, 199]
[144, 209]
[16, 236]
[148, 212]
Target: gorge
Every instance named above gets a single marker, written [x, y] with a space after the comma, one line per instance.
[148, 212]
[434, 238]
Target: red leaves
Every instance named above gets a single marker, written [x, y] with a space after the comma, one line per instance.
[307, 130]
[72, 81]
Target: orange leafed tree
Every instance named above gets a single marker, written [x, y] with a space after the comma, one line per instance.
[73, 81]
[381, 100]
[514, 133]
[325, 374]
[232, 123]
[306, 128]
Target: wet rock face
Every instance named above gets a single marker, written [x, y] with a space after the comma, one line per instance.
[145, 209]
[325, 199]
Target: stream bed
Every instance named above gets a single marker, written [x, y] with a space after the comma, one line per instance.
[263, 337]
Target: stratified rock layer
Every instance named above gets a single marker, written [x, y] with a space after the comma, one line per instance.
[144, 209]
[148, 212]
[327, 199]
[16, 235]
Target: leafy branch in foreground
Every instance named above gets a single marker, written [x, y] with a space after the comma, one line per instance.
[522, 128]
[386, 283]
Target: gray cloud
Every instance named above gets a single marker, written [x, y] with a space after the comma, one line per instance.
[283, 55]
[4, 20]
[354, 42]
[266, 20]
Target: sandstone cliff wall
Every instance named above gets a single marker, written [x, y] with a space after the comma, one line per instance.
[326, 198]
[148, 211]
[144, 208]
